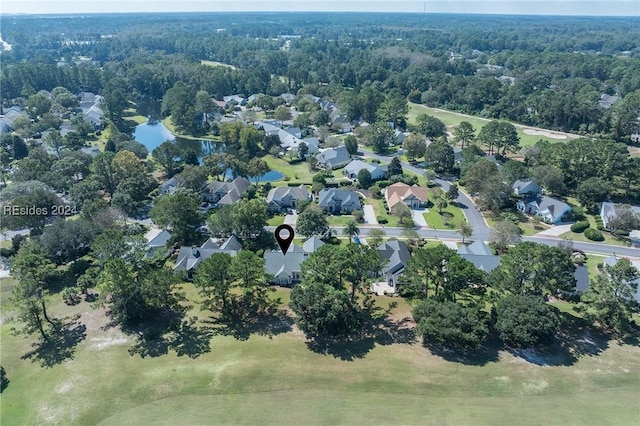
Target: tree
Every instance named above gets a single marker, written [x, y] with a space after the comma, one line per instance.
[54, 139]
[402, 211]
[535, 269]
[453, 192]
[178, 211]
[380, 137]
[414, 146]
[103, 171]
[38, 104]
[441, 202]
[593, 191]
[33, 269]
[465, 229]
[439, 272]
[256, 168]
[215, 282]
[430, 126]
[499, 134]
[249, 217]
[351, 229]
[167, 155]
[450, 325]
[248, 269]
[440, 156]
[394, 168]
[322, 310]
[362, 261]
[464, 134]
[303, 149]
[192, 178]
[525, 321]
[312, 221]
[327, 265]
[282, 113]
[394, 109]
[550, 178]
[610, 297]
[375, 237]
[67, 240]
[364, 178]
[513, 170]
[622, 219]
[221, 223]
[505, 233]
[351, 143]
[250, 141]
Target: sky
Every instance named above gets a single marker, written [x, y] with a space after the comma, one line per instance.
[525, 7]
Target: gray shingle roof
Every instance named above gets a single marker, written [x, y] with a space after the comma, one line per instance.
[394, 254]
[346, 198]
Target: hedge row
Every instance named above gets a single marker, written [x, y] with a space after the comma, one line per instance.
[593, 234]
[580, 226]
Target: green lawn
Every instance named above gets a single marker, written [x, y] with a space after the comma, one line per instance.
[381, 212]
[275, 220]
[453, 119]
[296, 172]
[608, 238]
[448, 219]
[278, 379]
[340, 220]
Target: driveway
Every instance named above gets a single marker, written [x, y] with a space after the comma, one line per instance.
[554, 231]
[291, 219]
[418, 218]
[369, 215]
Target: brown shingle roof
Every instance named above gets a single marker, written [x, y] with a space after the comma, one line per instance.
[399, 191]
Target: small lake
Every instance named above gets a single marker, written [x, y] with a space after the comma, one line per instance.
[154, 133]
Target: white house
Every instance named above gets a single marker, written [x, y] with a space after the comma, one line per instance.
[157, 239]
[608, 210]
[525, 187]
[546, 208]
[352, 169]
[284, 269]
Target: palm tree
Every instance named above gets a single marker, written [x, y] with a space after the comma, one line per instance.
[351, 229]
[441, 202]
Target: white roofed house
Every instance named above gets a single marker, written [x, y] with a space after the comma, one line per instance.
[334, 158]
[525, 187]
[610, 210]
[546, 208]
[394, 255]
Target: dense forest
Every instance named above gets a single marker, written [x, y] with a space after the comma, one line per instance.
[550, 72]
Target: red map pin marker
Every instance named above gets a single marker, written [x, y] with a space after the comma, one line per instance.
[284, 236]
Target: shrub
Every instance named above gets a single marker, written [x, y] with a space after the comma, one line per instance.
[382, 220]
[345, 183]
[358, 215]
[593, 234]
[383, 183]
[296, 160]
[579, 227]
[600, 227]
[376, 193]
[331, 185]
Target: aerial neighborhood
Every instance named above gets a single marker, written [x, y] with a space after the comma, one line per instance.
[460, 198]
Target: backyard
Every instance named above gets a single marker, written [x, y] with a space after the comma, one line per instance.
[272, 375]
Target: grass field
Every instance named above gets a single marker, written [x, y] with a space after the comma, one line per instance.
[449, 218]
[453, 119]
[276, 377]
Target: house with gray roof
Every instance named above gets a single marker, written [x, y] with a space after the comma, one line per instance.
[352, 169]
[339, 200]
[8, 116]
[157, 239]
[525, 187]
[394, 255]
[548, 209]
[286, 197]
[480, 254]
[225, 193]
[285, 269]
[190, 257]
[334, 158]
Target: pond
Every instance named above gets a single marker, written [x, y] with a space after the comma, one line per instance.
[154, 133]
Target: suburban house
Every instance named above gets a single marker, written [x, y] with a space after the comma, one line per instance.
[613, 260]
[157, 239]
[91, 111]
[525, 187]
[290, 138]
[334, 158]
[339, 201]
[190, 257]
[284, 269]
[548, 209]
[400, 136]
[168, 187]
[480, 254]
[234, 99]
[286, 197]
[353, 168]
[225, 193]
[394, 255]
[8, 116]
[608, 210]
[413, 196]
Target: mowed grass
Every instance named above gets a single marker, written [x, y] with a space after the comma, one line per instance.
[278, 379]
[452, 119]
